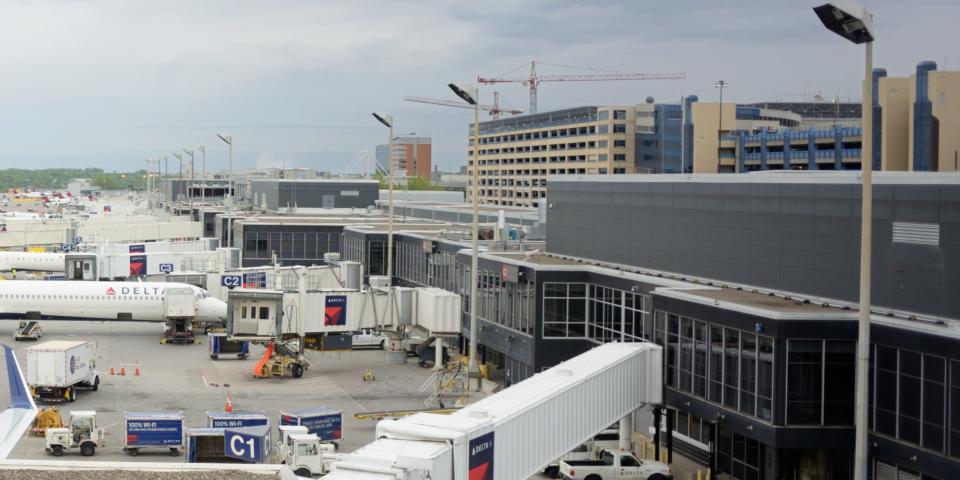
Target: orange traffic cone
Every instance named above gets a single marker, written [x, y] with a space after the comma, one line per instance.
[111, 371]
[123, 371]
[229, 407]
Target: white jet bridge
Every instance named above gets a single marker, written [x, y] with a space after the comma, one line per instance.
[515, 433]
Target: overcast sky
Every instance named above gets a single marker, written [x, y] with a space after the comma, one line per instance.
[107, 84]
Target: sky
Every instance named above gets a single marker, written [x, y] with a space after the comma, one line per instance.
[107, 84]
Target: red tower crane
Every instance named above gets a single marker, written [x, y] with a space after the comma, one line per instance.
[535, 80]
[494, 110]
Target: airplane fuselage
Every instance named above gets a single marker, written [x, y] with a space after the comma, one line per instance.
[83, 300]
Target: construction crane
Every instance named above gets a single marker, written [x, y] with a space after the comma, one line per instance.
[494, 109]
[535, 80]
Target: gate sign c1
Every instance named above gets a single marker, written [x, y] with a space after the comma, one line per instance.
[231, 281]
[77, 240]
[248, 444]
[166, 267]
[65, 247]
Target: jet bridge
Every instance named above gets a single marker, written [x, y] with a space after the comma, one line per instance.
[515, 433]
[325, 319]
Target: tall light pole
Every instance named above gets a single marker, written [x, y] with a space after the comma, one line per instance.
[228, 139]
[387, 120]
[190, 189]
[179, 177]
[721, 84]
[470, 95]
[854, 23]
[203, 186]
[166, 178]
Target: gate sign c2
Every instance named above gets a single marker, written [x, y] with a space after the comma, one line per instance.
[247, 445]
[231, 281]
[77, 240]
[166, 267]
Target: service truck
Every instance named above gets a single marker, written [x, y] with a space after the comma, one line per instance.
[615, 465]
[81, 432]
[307, 456]
[153, 430]
[58, 368]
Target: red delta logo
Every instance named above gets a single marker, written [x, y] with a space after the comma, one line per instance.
[111, 291]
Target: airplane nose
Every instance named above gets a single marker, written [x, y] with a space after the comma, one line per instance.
[214, 308]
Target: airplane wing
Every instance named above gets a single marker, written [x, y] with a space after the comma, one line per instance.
[16, 419]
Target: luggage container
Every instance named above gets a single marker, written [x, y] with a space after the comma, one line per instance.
[220, 344]
[205, 445]
[153, 430]
[236, 419]
[326, 423]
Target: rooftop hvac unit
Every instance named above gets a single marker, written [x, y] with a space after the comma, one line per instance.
[331, 257]
[378, 281]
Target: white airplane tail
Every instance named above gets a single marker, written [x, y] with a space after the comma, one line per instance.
[18, 417]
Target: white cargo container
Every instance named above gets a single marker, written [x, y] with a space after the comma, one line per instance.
[493, 435]
[179, 302]
[56, 369]
[438, 310]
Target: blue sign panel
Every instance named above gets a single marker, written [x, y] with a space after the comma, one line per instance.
[231, 281]
[166, 267]
[326, 424]
[247, 444]
[150, 431]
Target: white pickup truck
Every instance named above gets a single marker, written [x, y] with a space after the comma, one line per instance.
[614, 465]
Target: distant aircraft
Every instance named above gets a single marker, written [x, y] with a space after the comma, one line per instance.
[16, 419]
[32, 261]
[82, 300]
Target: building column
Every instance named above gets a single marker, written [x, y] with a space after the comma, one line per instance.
[741, 152]
[763, 152]
[671, 418]
[656, 433]
[786, 149]
[626, 433]
[812, 150]
[838, 149]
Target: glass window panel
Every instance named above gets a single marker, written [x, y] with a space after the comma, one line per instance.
[804, 382]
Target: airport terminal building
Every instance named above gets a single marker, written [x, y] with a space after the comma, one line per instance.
[750, 284]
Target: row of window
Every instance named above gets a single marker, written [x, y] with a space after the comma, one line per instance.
[63, 296]
[915, 397]
[602, 314]
[552, 147]
[558, 132]
[722, 365]
[290, 245]
[509, 304]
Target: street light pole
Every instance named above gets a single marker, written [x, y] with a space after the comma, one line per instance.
[853, 22]
[470, 94]
[190, 189]
[228, 139]
[179, 176]
[203, 187]
[388, 121]
[721, 85]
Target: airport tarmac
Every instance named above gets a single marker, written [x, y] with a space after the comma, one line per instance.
[183, 377]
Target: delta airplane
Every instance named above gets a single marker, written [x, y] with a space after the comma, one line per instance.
[32, 261]
[82, 300]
